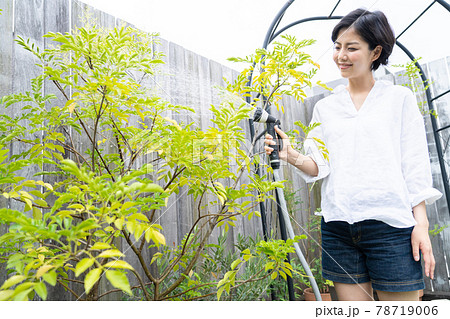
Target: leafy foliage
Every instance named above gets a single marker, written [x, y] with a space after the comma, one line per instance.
[415, 83]
[106, 160]
[286, 69]
[276, 253]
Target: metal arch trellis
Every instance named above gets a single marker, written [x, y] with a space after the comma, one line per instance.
[272, 33]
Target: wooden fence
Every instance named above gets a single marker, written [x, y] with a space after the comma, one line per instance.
[189, 79]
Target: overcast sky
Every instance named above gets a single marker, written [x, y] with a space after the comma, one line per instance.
[225, 28]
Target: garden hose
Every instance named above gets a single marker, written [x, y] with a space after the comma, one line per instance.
[287, 221]
[263, 117]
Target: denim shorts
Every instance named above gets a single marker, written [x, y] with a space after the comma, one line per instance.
[370, 251]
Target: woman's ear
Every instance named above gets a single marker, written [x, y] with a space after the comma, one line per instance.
[377, 52]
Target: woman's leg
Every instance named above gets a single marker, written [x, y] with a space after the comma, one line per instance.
[398, 296]
[354, 292]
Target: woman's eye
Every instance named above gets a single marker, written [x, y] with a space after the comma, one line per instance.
[352, 49]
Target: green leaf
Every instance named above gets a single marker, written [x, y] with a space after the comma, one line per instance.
[111, 253]
[50, 277]
[119, 280]
[76, 206]
[148, 234]
[41, 290]
[269, 265]
[41, 202]
[42, 270]
[91, 278]
[6, 294]
[219, 292]
[235, 263]
[152, 188]
[14, 280]
[138, 216]
[119, 223]
[83, 265]
[23, 295]
[70, 104]
[155, 257]
[127, 205]
[118, 264]
[37, 214]
[100, 245]
[158, 238]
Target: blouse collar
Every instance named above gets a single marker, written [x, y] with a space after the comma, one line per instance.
[342, 88]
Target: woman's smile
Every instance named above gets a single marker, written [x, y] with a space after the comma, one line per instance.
[344, 66]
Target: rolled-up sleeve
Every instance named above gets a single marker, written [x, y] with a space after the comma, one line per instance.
[415, 159]
[312, 149]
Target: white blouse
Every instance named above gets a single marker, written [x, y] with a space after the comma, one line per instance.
[378, 167]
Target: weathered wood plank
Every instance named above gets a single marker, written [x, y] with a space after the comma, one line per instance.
[28, 25]
[6, 75]
[6, 49]
[56, 19]
[83, 13]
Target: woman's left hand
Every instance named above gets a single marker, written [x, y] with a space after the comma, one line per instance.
[420, 241]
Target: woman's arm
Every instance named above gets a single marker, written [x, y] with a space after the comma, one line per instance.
[420, 239]
[304, 163]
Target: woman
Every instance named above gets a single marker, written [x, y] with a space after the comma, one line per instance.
[378, 177]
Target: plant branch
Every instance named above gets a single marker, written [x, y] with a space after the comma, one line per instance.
[73, 146]
[120, 132]
[176, 173]
[200, 200]
[147, 296]
[196, 256]
[120, 290]
[94, 142]
[95, 146]
[139, 255]
[74, 280]
[186, 291]
[71, 291]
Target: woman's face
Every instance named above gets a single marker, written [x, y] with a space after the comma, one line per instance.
[352, 55]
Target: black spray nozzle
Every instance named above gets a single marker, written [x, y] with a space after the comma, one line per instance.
[262, 116]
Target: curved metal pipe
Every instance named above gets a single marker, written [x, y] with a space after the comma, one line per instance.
[287, 221]
[433, 122]
[302, 21]
[275, 23]
[444, 4]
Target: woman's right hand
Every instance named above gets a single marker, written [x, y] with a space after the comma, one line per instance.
[286, 144]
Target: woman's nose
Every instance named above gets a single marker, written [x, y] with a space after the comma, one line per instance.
[342, 55]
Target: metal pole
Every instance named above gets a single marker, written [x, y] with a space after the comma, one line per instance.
[444, 4]
[275, 23]
[263, 117]
[284, 236]
[287, 222]
[433, 124]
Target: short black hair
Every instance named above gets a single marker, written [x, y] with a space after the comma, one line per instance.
[372, 27]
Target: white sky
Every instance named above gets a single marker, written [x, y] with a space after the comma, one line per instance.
[227, 28]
